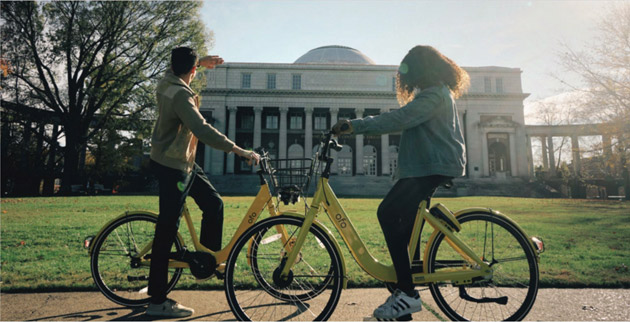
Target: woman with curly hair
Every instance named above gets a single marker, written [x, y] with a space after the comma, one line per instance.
[432, 152]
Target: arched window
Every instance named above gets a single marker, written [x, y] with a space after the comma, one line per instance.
[296, 151]
[393, 159]
[369, 160]
[344, 161]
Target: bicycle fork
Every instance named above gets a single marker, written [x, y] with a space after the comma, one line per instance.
[293, 252]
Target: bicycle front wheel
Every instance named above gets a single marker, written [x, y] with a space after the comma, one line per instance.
[115, 263]
[509, 294]
[254, 288]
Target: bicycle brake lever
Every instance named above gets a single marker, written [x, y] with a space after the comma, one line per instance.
[335, 145]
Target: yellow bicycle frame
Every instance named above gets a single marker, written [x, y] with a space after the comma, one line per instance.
[263, 200]
[324, 196]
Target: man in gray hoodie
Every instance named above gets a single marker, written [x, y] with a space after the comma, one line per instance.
[177, 131]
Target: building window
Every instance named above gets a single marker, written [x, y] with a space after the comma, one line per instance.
[297, 81]
[487, 84]
[247, 121]
[246, 80]
[296, 155]
[499, 84]
[271, 81]
[393, 84]
[320, 122]
[271, 122]
[344, 161]
[369, 160]
[295, 122]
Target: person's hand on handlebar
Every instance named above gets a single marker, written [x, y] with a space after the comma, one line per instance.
[251, 156]
[342, 127]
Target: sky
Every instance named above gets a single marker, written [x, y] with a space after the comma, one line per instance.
[522, 34]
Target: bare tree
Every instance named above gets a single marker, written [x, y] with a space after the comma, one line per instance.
[604, 69]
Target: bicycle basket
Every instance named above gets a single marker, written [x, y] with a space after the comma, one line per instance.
[291, 178]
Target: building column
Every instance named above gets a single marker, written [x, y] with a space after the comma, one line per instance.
[218, 159]
[607, 150]
[513, 163]
[308, 132]
[552, 157]
[530, 159]
[607, 146]
[545, 155]
[334, 111]
[359, 145]
[484, 153]
[257, 130]
[282, 149]
[385, 149]
[575, 148]
[231, 136]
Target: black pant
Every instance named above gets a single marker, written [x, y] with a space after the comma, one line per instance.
[397, 213]
[175, 186]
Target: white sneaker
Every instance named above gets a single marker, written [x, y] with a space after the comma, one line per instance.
[170, 309]
[397, 305]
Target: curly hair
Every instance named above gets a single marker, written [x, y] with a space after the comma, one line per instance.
[425, 66]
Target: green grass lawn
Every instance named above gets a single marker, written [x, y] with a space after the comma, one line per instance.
[588, 241]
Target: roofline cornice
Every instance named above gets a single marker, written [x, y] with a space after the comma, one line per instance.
[303, 92]
[295, 92]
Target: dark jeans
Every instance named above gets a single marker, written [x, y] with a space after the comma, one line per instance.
[175, 186]
[397, 213]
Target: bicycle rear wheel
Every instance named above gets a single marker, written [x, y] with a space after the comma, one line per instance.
[254, 289]
[510, 293]
[114, 263]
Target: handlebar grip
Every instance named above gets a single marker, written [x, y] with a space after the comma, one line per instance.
[335, 145]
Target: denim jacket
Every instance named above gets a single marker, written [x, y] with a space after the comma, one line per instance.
[432, 142]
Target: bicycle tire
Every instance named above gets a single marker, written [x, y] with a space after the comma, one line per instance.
[277, 293]
[275, 299]
[510, 293]
[112, 268]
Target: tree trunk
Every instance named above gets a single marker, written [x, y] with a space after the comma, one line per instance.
[75, 144]
[51, 167]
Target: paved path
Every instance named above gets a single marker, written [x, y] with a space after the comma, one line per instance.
[355, 304]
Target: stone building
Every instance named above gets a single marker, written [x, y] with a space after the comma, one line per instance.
[286, 107]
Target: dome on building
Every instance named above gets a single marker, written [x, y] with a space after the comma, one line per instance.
[334, 55]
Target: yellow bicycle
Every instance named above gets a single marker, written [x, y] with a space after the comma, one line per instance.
[478, 263]
[120, 254]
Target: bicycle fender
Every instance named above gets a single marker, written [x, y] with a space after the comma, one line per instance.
[125, 214]
[330, 236]
[478, 210]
